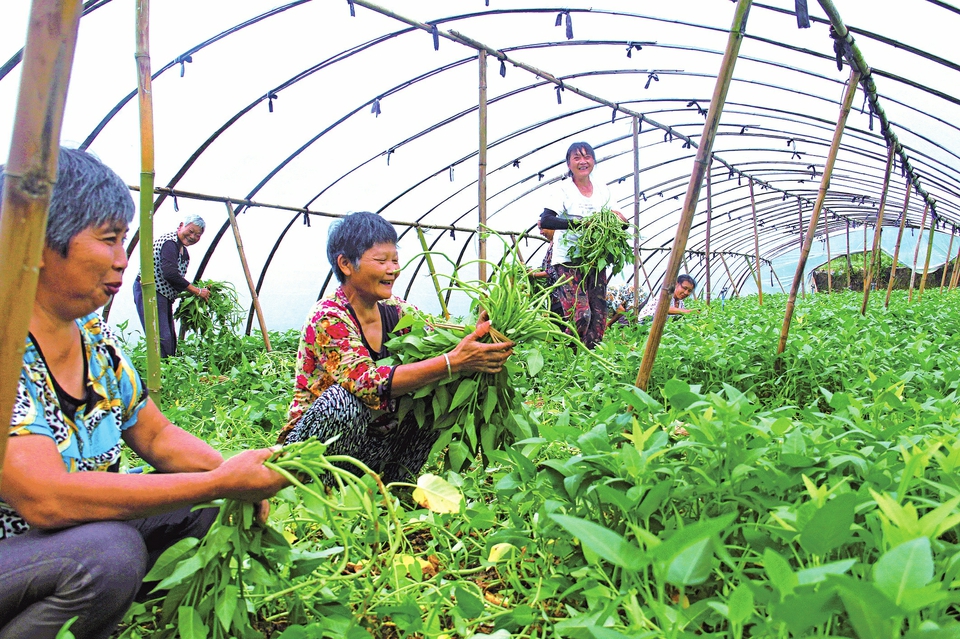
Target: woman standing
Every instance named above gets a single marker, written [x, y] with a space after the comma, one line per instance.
[584, 296]
[170, 262]
[340, 389]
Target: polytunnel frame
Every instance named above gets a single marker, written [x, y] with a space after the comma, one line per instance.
[854, 58]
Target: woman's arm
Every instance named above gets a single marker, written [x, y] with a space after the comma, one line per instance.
[171, 273]
[37, 485]
[167, 447]
[550, 220]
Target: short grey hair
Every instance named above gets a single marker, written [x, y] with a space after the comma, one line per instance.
[87, 194]
[354, 235]
[193, 218]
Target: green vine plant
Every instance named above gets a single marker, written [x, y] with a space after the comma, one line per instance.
[221, 313]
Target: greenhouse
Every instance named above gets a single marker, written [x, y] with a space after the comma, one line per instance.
[774, 456]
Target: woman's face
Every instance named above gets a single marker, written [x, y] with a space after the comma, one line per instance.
[581, 163]
[375, 273]
[683, 290]
[89, 275]
[189, 234]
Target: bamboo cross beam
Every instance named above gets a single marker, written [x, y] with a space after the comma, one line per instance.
[946, 261]
[849, 92]
[148, 276]
[482, 170]
[28, 178]
[916, 252]
[896, 248]
[756, 242]
[857, 61]
[707, 138]
[874, 253]
[706, 248]
[926, 262]
[246, 274]
[433, 272]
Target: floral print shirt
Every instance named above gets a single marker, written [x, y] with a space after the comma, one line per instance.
[332, 352]
[90, 440]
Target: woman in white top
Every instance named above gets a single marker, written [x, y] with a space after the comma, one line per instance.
[584, 296]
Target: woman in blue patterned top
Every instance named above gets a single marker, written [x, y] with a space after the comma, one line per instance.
[75, 539]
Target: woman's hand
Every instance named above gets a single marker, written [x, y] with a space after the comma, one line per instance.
[472, 355]
[244, 476]
[622, 217]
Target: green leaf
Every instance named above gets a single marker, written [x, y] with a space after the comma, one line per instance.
[604, 542]
[168, 560]
[184, 569]
[869, 610]
[829, 527]
[740, 604]
[189, 623]
[465, 390]
[227, 605]
[684, 558]
[469, 604]
[906, 567]
[779, 572]
[534, 362]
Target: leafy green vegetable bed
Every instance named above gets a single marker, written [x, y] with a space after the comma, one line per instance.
[821, 501]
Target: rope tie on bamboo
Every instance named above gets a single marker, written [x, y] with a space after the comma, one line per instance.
[271, 96]
[182, 60]
[560, 88]
[613, 118]
[653, 77]
[375, 110]
[436, 37]
[306, 219]
[631, 46]
[446, 358]
[559, 21]
[803, 16]
[353, 12]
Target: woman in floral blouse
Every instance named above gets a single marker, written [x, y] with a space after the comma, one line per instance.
[339, 389]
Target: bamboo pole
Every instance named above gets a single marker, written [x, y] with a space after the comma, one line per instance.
[733, 284]
[28, 179]
[779, 283]
[482, 168]
[849, 262]
[756, 242]
[916, 251]
[803, 285]
[826, 235]
[706, 248]
[849, 92]
[636, 217]
[926, 262]
[896, 248]
[693, 189]
[246, 274]
[433, 272]
[946, 261]
[875, 252]
[955, 274]
[148, 276]
[864, 247]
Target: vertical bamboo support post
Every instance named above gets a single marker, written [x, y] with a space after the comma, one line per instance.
[916, 251]
[733, 284]
[29, 176]
[826, 236]
[848, 94]
[693, 189]
[706, 248]
[756, 243]
[926, 262]
[148, 275]
[864, 247]
[946, 261]
[779, 283]
[482, 167]
[636, 216]
[246, 274]
[849, 262]
[433, 272]
[875, 251]
[803, 285]
[896, 248]
[954, 273]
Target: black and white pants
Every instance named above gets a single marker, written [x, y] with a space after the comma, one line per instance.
[395, 451]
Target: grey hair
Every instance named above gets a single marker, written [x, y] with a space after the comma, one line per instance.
[354, 235]
[681, 279]
[193, 218]
[88, 194]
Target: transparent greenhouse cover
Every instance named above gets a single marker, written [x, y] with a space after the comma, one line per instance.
[306, 106]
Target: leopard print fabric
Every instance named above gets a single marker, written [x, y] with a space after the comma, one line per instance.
[183, 261]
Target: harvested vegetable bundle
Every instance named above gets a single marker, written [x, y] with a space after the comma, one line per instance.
[205, 317]
[480, 412]
[602, 241]
[212, 582]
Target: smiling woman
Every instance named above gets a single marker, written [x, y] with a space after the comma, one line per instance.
[339, 390]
